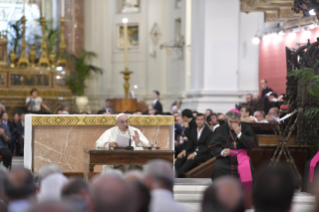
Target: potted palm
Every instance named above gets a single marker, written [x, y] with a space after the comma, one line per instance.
[82, 70]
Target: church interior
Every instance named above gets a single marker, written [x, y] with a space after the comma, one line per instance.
[166, 105]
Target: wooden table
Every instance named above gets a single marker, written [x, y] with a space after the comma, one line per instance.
[94, 157]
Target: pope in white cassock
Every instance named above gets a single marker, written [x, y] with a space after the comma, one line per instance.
[108, 138]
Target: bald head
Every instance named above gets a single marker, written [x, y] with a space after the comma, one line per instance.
[110, 193]
[226, 193]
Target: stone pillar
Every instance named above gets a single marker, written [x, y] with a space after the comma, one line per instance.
[215, 56]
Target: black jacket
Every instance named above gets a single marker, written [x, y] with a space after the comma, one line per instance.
[158, 106]
[202, 143]
[192, 125]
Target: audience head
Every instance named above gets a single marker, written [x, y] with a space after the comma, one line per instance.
[22, 116]
[47, 170]
[274, 189]
[260, 115]
[16, 117]
[195, 113]
[138, 112]
[245, 111]
[179, 120]
[263, 84]
[187, 115]
[208, 112]
[213, 119]
[51, 187]
[159, 174]
[112, 194]
[108, 103]
[233, 117]
[19, 184]
[113, 172]
[226, 194]
[256, 97]
[151, 112]
[273, 112]
[142, 195]
[249, 98]
[122, 121]
[66, 107]
[34, 92]
[156, 94]
[5, 116]
[78, 189]
[134, 175]
[220, 116]
[200, 120]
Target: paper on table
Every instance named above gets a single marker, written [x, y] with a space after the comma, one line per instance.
[122, 141]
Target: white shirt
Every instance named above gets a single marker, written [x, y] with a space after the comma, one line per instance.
[238, 136]
[163, 201]
[37, 103]
[215, 127]
[154, 102]
[19, 206]
[111, 134]
[263, 121]
[199, 133]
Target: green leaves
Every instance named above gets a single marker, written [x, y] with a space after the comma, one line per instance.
[15, 34]
[310, 78]
[83, 69]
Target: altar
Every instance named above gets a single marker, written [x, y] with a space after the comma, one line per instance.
[52, 139]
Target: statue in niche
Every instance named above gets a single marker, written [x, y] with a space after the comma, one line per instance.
[130, 6]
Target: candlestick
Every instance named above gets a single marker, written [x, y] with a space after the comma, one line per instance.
[43, 8]
[23, 61]
[62, 60]
[44, 60]
[23, 7]
[62, 8]
[125, 20]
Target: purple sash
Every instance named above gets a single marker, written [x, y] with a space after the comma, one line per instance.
[244, 170]
[313, 164]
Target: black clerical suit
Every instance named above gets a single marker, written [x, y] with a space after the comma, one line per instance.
[267, 104]
[158, 106]
[226, 138]
[19, 133]
[197, 145]
[11, 144]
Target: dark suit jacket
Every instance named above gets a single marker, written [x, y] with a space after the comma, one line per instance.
[19, 128]
[192, 125]
[158, 106]
[202, 143]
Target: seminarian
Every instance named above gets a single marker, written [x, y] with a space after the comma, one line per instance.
[196, 150]
[229, 145]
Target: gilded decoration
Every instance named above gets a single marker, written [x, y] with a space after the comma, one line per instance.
[100, 120]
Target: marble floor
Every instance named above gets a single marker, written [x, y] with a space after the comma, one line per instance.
[188, 192]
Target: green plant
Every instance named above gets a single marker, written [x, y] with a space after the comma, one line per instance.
[16, 35]
[52, 37]
[82, 69]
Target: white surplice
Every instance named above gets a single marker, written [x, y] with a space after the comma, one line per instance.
[111, 134]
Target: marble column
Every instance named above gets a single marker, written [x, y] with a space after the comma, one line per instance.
[215, 56]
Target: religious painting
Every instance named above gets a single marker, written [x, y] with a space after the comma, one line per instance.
[132, 36]
[155, 34]
[178, 31]
[178, 3]
[128, 6]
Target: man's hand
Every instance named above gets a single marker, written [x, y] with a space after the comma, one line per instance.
[191, 156]
[113, 144]
[182, 154]
[136, 137]
[226, 152]
[2, 131]
[237, 128]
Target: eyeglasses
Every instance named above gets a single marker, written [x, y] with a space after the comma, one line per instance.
[124, 122]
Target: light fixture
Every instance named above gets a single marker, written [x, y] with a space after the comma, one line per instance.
[312, 26]
[59, 68]
[307, 7]
[292, 35]
[256, 40]
[135, 86]
[58, 77]
[266, 38]
[124, 20]
[281, 33]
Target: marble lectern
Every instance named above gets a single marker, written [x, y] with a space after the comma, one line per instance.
[60, 139]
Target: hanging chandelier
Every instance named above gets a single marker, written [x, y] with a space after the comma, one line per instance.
[308, 7]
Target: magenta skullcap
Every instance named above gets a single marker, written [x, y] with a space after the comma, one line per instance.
[235, 111]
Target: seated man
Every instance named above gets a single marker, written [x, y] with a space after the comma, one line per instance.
[197, 149]
[229, 145]
[246, 115]
[260, 117]
[108, 138]
[273, 114]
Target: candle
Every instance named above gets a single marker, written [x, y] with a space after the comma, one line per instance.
[125, 20]
[23, 7]
[43, 8]
[62, 8]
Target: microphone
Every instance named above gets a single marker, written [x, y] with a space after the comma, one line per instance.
[129, 147]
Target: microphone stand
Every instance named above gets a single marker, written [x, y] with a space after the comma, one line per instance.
[129, 147]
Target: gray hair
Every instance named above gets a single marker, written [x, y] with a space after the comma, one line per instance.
[3, 174]
[115, 173]
[161, 172]
[46, 170]
[233, 115]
